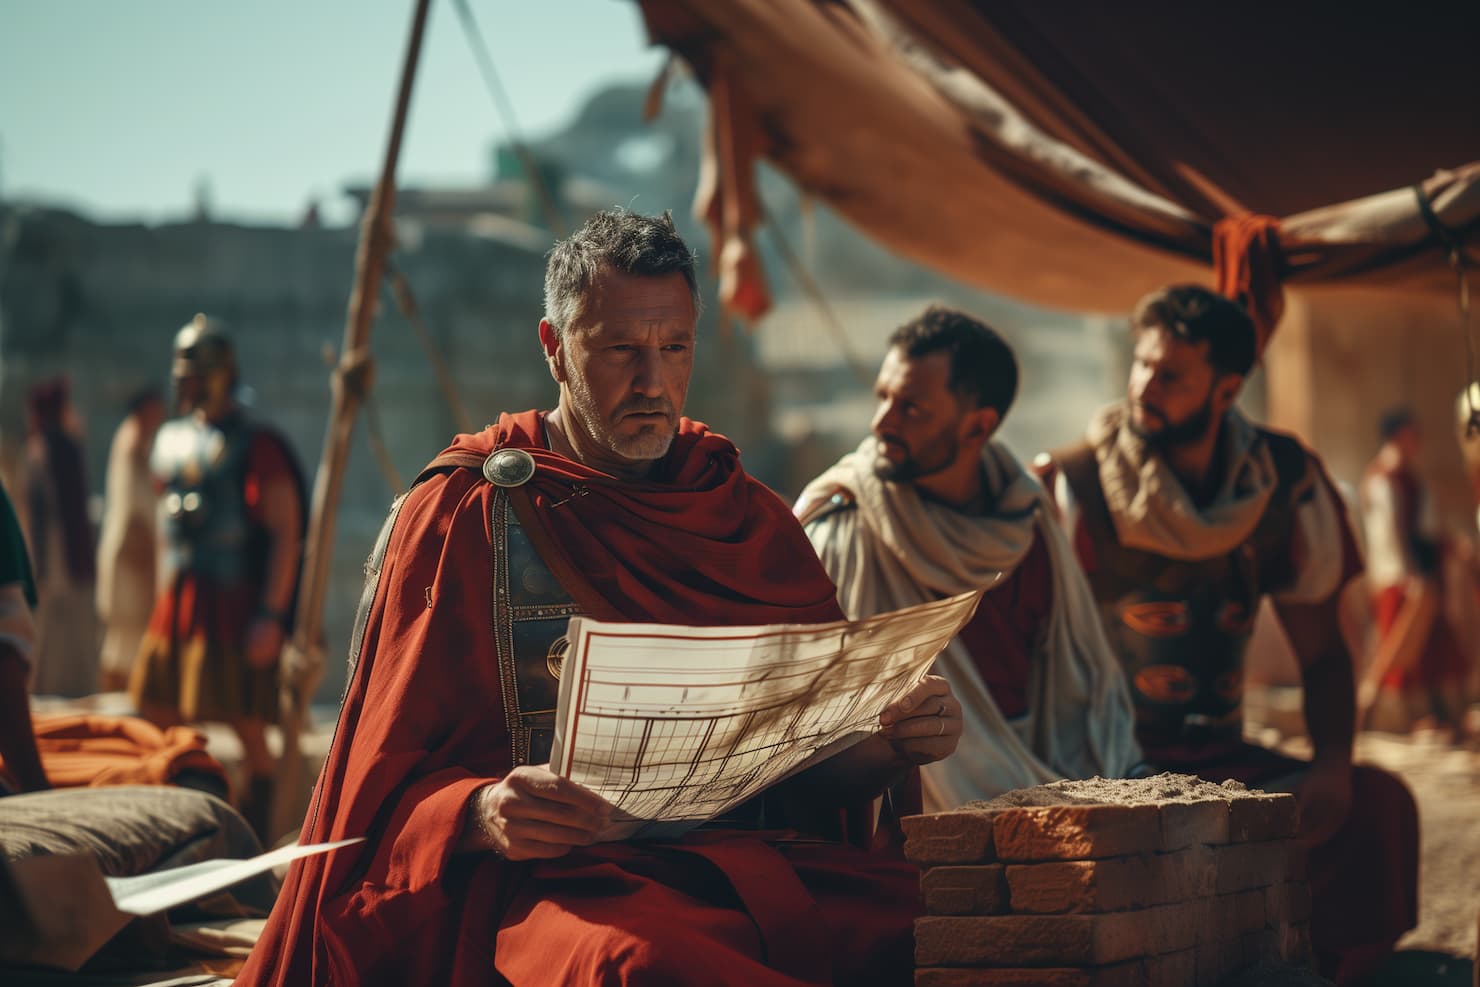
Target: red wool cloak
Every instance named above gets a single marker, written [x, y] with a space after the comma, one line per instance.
[422, 727]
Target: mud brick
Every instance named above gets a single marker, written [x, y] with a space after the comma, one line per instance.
[1286, 943]
[1169, 970]
[1002, 977]
[1005, 940]
[1112, 885]
[1242, 866]
[1071, 885]
[1295, 862]
[1292, 942]
[1208, 915]
[964, 890]
[1053, 940]
[1260, 946]
[1076, 832]
[1228, 916]
[1288, 902]
[1243, 912]
[1185, 824]
[949, 838]
[1260, 816]
[1190, 873]
[1145, 932]
[1215, 960]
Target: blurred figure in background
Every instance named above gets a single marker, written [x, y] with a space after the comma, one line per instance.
[125, 594]
[1469, 442]
[22, 762]
[61, 537]
[232, 519]
[1418, 666]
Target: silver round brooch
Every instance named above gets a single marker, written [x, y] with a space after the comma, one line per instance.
[508, 468]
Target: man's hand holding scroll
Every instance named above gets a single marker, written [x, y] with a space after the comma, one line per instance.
[924, 724]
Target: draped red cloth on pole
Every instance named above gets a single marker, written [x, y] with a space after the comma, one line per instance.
[1249, 265]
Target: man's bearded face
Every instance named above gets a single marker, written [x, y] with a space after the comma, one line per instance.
[208, 392]
[918, 417]
[1170, 392]
[627, 360]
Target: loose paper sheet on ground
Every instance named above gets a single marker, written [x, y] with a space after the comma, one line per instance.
[676, 725]
[68, 909]
[146, 894]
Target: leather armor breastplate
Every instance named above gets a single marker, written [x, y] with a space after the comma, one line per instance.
[202, 467]
[530, 613]
[1181, 641]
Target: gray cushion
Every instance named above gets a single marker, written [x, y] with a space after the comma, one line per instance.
[129, 829]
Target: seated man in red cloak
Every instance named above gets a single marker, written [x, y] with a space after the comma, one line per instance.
[481, 866]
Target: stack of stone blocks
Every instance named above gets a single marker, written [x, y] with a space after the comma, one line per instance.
[1174, 882]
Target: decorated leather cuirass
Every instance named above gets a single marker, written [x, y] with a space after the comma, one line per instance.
[203, 512]
[1181, 642]
[530, 614]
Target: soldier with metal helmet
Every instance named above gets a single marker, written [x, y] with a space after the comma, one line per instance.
[231, 521]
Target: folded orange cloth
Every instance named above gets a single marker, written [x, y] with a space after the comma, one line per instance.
[80, 750]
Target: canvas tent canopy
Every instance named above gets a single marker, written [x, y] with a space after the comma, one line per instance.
[1077, 156]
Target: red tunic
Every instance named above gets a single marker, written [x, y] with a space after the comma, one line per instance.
[1009, 623]
[422, 727]
[1440, 659]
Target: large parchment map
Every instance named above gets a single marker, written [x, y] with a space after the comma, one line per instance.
[676, 725]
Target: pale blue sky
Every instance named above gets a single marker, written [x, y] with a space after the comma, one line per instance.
[116, 108]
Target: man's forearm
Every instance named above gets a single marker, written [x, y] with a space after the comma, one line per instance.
[1330, 705]
[282, 571]
[283, 515]
[17, 737]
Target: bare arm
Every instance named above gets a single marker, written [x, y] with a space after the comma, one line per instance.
[282, 516]
[1314, 633]
[17, 738]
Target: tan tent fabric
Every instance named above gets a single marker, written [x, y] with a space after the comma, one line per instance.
[1079, 157]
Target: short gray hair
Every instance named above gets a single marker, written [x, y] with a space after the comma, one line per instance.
[617, 240]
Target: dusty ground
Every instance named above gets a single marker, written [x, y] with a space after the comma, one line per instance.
[1445, 781]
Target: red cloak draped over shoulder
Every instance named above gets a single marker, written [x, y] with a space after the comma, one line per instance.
[422, 724]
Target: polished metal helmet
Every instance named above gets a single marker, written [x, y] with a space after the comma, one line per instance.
[202, 346]
[204, 369]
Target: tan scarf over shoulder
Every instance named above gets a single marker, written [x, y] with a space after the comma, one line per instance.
[896, 550]
[1152, 511]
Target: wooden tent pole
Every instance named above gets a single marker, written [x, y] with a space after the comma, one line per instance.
[349, 383]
